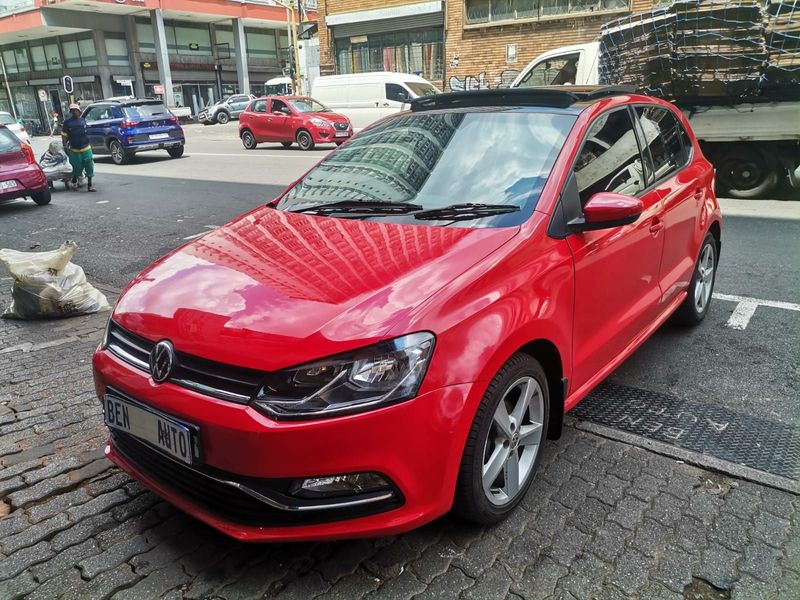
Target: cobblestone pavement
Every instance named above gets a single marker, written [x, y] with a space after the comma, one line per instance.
[603, 519]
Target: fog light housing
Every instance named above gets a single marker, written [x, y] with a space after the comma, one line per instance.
[333, 486]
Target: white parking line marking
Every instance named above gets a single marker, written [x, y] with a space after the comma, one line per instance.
[746, 308]
[102, 202]
[197, 235]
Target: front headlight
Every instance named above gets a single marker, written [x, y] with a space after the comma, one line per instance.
[319, 122]
[386, 373]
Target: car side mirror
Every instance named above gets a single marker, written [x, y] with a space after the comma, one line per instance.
[605, 210]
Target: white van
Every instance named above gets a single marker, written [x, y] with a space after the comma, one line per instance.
[366, 97]
[278, 86]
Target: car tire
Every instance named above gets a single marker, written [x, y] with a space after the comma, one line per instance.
[286, 144]
[483, 465]
[701, 289]
[41, 198]
[118, 153]
[223, 117]
[249, 140]
[745, 172]
[175, 151]
[304, 140]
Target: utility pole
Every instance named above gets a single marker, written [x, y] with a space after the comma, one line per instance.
[289, 5]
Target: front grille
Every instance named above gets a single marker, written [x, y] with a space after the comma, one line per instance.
[341, 126]
[226, 382]
[202, 487]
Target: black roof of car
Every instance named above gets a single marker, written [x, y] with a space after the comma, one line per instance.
[562, 96]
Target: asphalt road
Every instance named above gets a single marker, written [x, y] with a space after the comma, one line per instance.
[147, 208]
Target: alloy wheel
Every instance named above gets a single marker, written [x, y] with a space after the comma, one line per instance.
[705, 278]
[513, 441]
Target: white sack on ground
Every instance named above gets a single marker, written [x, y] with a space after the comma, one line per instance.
[47, 284]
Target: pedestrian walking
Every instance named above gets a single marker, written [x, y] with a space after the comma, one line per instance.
[73, 132]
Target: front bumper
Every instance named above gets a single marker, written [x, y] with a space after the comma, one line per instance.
[327, 135]
[243, 446]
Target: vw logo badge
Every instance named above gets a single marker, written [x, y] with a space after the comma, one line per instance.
[162, 359]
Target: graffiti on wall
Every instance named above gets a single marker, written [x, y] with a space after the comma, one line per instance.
[482, 81]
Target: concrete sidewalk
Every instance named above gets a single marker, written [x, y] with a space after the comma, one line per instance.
[603, 519]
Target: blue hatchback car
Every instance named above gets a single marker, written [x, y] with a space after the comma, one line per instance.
[123, 127]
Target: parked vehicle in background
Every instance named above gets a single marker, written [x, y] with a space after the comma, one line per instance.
[400, 332]
[752, 144]
[123, 128]
[290, 119]
[225, 109]
[279, 86]
[18, 130]
[366, 97]
[20, 174]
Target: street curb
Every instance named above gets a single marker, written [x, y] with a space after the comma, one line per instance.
[688, 456]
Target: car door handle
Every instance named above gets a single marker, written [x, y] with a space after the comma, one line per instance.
[698, 195]
[656, 225]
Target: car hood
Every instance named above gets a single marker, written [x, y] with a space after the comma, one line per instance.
[274, 289]
[331, 116]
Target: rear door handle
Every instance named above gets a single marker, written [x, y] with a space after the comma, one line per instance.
[698, 195]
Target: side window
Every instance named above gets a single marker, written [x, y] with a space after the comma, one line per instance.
[665, 138]
[558, 70]
[396, 92]
[93, 114]
[260, 106]
[279, 106]
[610, 160]
[116, 113]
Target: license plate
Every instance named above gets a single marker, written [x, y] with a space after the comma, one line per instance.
[342, 134]
[159, 136]
[5, 185]
[168, 435]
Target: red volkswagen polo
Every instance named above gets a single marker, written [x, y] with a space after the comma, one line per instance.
[399, 333]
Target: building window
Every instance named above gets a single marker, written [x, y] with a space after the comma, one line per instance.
[492, 11]
[261, 44]
[116, 50]
[224, 37]
[79, 53]
[38, 58]
[16, 60]
[144, 36]
[189, 39]
[418, 51]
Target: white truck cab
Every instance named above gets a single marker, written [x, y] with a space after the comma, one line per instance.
[568, 65]
[753, 145]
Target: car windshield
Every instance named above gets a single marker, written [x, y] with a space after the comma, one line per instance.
[421, 89]
[434, 160]
[278, 89]
[307, 105]
[144, 110]
[7, 119]
[8, 141]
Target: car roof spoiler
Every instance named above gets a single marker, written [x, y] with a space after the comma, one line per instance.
[561, 96]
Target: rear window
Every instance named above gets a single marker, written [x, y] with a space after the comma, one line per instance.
[145, 110]
[437, 159]
[8, 141]
[7, 119]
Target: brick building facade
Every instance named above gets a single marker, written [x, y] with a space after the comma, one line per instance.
[457, 44]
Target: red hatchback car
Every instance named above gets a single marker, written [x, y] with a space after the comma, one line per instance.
[20, 174]
[399, 333]
[290, 119]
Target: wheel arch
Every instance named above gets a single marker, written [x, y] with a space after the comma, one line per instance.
[243, 129]
[547, 354]
[716, 230]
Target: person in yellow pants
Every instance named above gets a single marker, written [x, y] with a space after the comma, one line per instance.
[73, 131]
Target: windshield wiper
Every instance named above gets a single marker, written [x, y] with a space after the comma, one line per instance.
[360, 207]
[465, 212]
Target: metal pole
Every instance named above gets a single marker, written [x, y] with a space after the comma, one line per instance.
[8, 87]
[297, 73]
